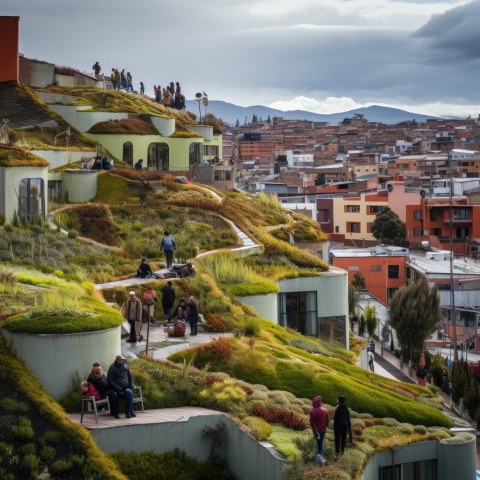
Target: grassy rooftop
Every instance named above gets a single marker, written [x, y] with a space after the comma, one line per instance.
[18, 157]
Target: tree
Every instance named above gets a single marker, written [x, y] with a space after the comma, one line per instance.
[237, 123]
[371, 319]
[268, 120]
[320, 180]
[361, 328]
[358, 280]
[352, 299]
[254, 119]
[387, 226]
[414, 313]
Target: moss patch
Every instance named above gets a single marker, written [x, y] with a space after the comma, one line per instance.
[16, 157]
[130, 126]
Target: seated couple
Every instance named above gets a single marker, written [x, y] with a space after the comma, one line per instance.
[118, 383]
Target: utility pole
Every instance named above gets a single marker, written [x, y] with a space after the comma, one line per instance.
[452, 293]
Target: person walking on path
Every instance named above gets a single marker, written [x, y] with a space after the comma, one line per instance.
[99, 380]
[372, 346]
[192, 315]
[319, 424]
[142, 89]
[421, 374]
[341, 426]
[371, 358]
[444, 380]
[168, 297]
[168, 245]
[120, 379]
[149, 301]
[133, 314]
[97, 69]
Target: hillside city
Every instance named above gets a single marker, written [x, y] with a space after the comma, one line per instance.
[268, 299]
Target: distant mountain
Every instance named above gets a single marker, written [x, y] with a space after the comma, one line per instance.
[229, 112]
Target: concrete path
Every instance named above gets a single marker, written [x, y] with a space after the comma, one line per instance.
[159, 415]
[386, 369]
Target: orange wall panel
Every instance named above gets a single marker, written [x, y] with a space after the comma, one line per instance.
[9, 50]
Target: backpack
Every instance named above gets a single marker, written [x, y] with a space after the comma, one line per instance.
[149, 299]
[167, 241]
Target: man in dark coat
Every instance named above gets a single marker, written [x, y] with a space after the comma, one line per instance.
[168, 297]
[120, 379]
[341, 426]
[144, 270]
[97, 69]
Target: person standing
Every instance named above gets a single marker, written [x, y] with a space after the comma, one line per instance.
[120, 379]
[372, 346]
[99, 380]
[371, 358]
[97, 69]
[166, 97]
[172, 88]
[117, 79]
[444, 380]
[178, 89]
[113, 79]
[142, 89]
[168, 245]
[319, 424]
[133, 314]
[168, 297]
[123, 79]
[341, 426]
[421, 374]
[192, 315]
[129, 82]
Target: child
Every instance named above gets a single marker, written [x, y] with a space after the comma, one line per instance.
[90, 391]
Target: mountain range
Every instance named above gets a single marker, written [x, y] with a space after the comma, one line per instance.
[229, 112]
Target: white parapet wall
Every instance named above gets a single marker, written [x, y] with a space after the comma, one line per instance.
[204, 130]
[166, 126]
[81, 185]
[244, 456]
[59, 158]
[50, 97]
[265, 305]
[53, 359]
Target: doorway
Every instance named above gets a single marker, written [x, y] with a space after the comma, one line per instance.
[158, 158]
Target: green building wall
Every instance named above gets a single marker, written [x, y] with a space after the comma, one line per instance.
[217, 140]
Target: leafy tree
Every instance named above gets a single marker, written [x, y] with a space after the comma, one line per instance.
[352, 299]
[358, 281]
[268, 120]
[385, 332]
[320, 180]
[414, 313]
[371, 320]
[361, 328]
[254, 119]
[387, 226]
[237, 123]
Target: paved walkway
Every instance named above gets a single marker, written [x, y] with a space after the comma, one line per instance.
[386, 369]
[161, 415]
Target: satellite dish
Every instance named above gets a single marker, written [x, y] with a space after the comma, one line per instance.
[198, 95]
[389, 187]
[84, 228]
[422, 193]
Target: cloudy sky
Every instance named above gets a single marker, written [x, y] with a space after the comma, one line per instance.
[319, 55]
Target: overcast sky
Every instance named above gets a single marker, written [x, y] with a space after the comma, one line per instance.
[319, 55]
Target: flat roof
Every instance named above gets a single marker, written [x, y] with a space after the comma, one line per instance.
[427, 265]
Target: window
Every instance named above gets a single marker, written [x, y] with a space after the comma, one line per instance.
[353, 208]
[417, 215]
[337, 229]
[369, 227]
[222, 175]
[210, 150]
[298, 310]
[128, 153]
[437, 232]
[353, 268]
[354, 227]
[375, 268]
[195, 156]
[460, 214]
[332, 329]
[390, 293]
[390, 473]
[417, 232]
[433, 215]
[375, 209]
[393, 271]
[157, 157]
[30, 199]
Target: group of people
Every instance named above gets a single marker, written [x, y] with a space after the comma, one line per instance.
[121, 80]
[171, 96]
[341, 427]
[118, 383]
[101, 163]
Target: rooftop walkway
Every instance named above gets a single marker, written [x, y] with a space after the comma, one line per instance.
[159, 415]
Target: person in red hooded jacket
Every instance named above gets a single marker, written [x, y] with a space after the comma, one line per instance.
[319, 424]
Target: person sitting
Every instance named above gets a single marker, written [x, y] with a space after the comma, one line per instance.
[139, 165]
[98, 379]
[180, 311]
[186, 271]
[120, 379]
[144, 270]
[97, 165]
[89, 391]
[106, 165]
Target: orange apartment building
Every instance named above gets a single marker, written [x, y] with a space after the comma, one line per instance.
[404, 165]
[251, 149]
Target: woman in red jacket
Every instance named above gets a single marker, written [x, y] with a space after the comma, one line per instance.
[319, 424]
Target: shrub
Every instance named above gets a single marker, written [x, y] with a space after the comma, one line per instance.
[6, 256]
[60, 466]
[420, 429]
[391, 422]
[72, 234]
[30, 462]
[286, 418]
[3, 219]
[8, 228]
[216, 323]
[52, 437]
[308, 347]
[261, 430]
[48, 454]
[29, 449]
[352, 460]
[47, 269]
[433, 389]
[24, 430]
[252, 326]
[405, 429]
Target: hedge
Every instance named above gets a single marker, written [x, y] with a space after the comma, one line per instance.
[104, 318]
[260, 287]
[74, 435]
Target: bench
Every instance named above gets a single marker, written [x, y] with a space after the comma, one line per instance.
[89, 402]
[136, 399]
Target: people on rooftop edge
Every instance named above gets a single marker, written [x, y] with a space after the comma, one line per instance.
[123, 79]
[129, 82]
[341, 426]
[319, 424]
[192, 315]
[168, 245]
[133, 314]
[166, 97]
[120, 379]
[168, 298]
[142, 89]
[98, 379]
[97, 69]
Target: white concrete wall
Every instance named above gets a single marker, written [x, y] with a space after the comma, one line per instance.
[83, 121]
[80, 184]
[53, 359]
[247, 459]
[204, 130]
[69, 81]
[59, 158]
[265, 305]
[166, 126]
[49, 97]
[10, 178]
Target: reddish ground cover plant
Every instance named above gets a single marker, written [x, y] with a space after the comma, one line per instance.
[286, 418]
[216, 323]
[133, 126]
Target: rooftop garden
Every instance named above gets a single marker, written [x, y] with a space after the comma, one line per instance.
[18, 157]
[132, 126]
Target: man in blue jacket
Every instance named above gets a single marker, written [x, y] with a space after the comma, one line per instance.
[168, 246]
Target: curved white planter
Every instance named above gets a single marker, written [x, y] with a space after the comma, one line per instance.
[53, 359]
[166, 126]
[204, 130]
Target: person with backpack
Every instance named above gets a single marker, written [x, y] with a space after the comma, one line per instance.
[319, 424]
[168, 297]
[192, 315]
[341, 426]
[421, 374]
[168, 246]
[149, 301]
